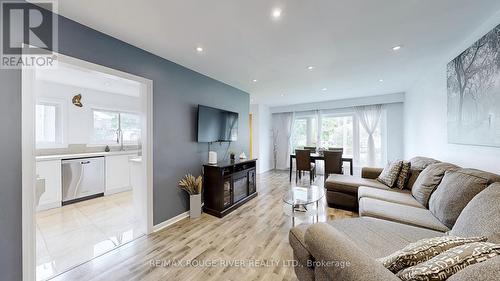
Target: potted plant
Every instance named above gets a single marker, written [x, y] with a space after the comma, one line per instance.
[193, 187]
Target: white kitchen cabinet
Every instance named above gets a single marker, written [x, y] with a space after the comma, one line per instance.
[50, 172]
[117, 174]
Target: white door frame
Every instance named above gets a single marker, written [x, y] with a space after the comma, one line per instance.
[29, 160]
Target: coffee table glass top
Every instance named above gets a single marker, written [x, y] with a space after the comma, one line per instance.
[298, 195]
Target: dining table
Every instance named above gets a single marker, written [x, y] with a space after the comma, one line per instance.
[317, 156]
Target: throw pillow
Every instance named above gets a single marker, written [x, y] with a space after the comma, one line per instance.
[404, 175]
[450, 262]
[481, 216]
[390, 173]
[423, 250]
[428, 180]
[455, 191]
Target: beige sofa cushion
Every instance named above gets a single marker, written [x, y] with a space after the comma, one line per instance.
[393, 195]
[350, 184]
[421, 163]
[370, 234]
[296, 239]
[428, 180]
[481, 216]
[455, 191]
[369, 207]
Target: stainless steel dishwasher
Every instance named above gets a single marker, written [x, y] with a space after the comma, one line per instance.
[82, 179]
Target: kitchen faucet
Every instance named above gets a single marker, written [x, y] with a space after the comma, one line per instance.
[119, 138]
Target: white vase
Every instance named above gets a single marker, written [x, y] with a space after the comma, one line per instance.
[195, 206]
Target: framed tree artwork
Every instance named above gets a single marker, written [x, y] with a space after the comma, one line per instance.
[474, 93]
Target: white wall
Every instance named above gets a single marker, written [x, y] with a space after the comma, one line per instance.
[77, 121]
[395, 130]
[262, 139]
[426, 116]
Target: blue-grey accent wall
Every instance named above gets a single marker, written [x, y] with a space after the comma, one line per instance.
[177, 93]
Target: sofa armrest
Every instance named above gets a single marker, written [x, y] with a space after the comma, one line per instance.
[371, 172]
[340, 259]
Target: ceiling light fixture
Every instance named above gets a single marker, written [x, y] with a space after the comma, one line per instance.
[380, 80]
[276, 13]
[397, 48]
[255, 80]
[199, 49]
[324, 89]
[310, 67]
[282, 95]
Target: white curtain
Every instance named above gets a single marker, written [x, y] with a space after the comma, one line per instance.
[282, 139]
[369, 117]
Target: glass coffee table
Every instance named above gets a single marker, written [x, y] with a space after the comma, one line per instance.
[300, 197]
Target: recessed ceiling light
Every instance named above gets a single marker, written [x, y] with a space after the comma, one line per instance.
[310, 67]
[276, 13]
[255, 80]
[324, 89]
[199, 49]
[397, 48]
[282, 95]
[380, 80]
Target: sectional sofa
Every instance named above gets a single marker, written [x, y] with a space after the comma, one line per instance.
[460, 202]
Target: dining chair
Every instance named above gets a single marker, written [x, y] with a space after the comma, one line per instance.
[303, 163]
[336, 149]
[311, 148]
[333, 162]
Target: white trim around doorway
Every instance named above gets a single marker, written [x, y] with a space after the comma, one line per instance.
[28, 155]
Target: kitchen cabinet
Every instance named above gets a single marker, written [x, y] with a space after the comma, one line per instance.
[117, 174]
[50, 173]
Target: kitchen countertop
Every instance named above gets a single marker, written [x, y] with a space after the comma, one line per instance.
[137, 159]
[85, 154]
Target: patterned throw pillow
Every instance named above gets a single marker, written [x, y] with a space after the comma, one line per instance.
[423, 250]
[390, 173]
[450, 262]
[404, 175]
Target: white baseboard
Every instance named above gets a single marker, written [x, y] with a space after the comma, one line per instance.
[47, 206]
[117, 190]
[171, 221]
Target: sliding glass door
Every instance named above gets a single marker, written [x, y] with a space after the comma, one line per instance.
[338, 131]
[331, 130]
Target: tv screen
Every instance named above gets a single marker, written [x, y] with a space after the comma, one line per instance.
[216, 124]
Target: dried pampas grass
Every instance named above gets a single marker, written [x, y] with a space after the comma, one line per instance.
[191, 185]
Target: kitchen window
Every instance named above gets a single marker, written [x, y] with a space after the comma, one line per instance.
[108, 125]
[49, 125]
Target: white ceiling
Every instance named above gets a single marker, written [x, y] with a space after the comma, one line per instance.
[349, 42]
[85, 78]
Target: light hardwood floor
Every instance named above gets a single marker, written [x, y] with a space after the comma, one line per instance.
[255, 233]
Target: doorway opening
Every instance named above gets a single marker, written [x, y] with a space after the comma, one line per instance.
[87, 164]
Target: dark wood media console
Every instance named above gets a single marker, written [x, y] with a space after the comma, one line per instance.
[228, 185]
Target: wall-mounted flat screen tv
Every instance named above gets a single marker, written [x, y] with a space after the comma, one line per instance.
[216, 125]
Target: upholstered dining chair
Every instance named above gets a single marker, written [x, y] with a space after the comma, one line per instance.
[311, 148]
[336, 149]
[303, 162]
[333, 162]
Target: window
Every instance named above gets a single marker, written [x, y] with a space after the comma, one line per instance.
[304, 132]
[107, 125]
[338, 132]
[131, 127]
[48, 124]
